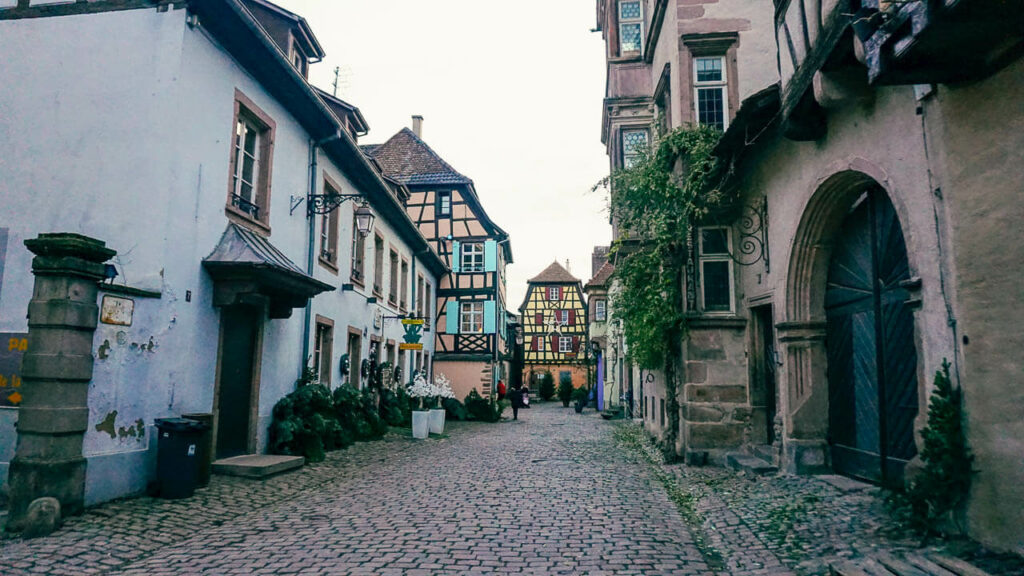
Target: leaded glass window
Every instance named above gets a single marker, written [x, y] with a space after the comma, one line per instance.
[631, 27]
[716, 271]
[633, 143]
[472, 318]
[711, 95]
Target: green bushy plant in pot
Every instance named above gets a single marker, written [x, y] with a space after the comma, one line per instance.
[579, 397]
[547, 386]
[565, 391]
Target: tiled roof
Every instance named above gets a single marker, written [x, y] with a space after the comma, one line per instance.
[409, 160]
[554, 273]
[602, 276]
[369, 149]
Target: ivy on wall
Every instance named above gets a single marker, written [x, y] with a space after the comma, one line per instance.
[655, 201]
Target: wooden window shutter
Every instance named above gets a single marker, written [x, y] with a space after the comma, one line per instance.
[533, 343]
[539, 318]
[451, 320]
[490, 319]
[456, 259]
[490, 256]
[572, 317]
[554, 344]
[576, 344]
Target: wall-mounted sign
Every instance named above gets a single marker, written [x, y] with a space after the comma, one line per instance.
[117, 310]
[12, 348]
[378, 318]
[407, 346]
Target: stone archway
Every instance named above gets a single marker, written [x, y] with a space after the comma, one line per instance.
[802, 334]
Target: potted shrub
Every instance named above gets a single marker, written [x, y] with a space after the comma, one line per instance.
[579, 396]
[443, 388]
[547, 386]
[565, 392]
[421, 390]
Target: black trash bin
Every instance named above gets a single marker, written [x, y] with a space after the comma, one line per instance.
[178, 455]
[205, 446]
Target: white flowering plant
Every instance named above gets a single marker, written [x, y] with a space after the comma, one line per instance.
[444, 387]
[422, 389]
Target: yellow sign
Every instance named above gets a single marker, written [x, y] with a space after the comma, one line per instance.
[404, 346]
[412, 321]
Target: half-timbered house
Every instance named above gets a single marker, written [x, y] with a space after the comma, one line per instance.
[469, 318]
[554, 318]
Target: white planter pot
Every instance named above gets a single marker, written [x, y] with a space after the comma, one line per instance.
[437, 421]
[420, 424]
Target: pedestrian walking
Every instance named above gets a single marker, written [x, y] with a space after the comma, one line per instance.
[516, 398]
[501, 390]
[526, 396]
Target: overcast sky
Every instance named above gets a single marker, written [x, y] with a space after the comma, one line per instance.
[511, 97]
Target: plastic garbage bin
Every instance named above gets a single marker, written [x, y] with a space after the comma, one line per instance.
[178, 455]
[205, 446]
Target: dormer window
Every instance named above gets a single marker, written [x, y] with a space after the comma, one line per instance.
[298, 59]
[631, 27]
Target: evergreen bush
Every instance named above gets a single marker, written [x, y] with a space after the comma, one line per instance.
[547, 386]
[565, 391]
[304, 424]
[454, 409]
[482, 409]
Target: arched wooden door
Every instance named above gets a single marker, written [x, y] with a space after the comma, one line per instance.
[872, 363]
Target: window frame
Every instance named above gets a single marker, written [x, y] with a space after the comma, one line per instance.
[247, 112]
[329, 232]
[721, 85]
[557, 292]
[474, 255]
[427, 306]
[600, 310]
[703, 258]
[467, 311]
[403, 291]
[622, 22]
[562, 317]
[358, 260]
[628, 157]
[355, 335]
[444, 203]
[565, 344]
[393, 276]
[323, 352]
[378, 263]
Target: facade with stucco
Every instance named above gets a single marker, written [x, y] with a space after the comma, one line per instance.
[128, 138]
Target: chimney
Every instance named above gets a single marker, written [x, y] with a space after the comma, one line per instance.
[568, 267]
[417, 126]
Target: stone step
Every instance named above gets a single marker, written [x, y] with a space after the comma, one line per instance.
[257, 465]
[765, 452]
[748, 463]
[909, 564]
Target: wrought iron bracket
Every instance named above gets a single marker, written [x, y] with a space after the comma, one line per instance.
[752, 226]
[326, 203]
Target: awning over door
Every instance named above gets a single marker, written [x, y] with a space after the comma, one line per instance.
[247, 269]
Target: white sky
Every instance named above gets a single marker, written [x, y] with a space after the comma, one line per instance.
[511, 97]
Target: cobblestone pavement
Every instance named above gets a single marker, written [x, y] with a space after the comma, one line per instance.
[550, 494]
[784, 524]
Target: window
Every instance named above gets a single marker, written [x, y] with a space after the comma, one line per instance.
[631, 26]
[378, 263]
[419, 296]
[355, 347]
[251, 158]
[405, 286]
[600, 310]
[358, 253]
[323, 346]
[538, 343]
[329, 236]
[710, 94]
[393, 292]
[298, 59]
[661, 402]
[472, 259]
[471, 317]
[716, 275]
[427, 307]
[564, 344]
[562, 317]
[554, 293]
[444, 203]
[633, 144]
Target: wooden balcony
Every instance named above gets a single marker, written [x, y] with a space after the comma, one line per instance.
[940, 41]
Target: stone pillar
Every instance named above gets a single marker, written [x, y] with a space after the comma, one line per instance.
[56, 370]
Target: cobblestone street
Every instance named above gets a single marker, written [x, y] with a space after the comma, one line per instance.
[554, 493]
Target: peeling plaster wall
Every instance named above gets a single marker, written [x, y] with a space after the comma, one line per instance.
[139, 109]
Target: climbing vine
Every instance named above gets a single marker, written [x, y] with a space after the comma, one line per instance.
[654, 201]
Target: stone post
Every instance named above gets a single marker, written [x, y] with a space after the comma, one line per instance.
[56, 370]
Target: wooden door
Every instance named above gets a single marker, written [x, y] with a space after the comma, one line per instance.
[872, 363]
[239, 331]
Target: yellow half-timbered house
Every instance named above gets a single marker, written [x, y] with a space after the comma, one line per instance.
[469, 317]
[554, 319]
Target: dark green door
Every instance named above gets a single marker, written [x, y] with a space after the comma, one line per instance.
[872, 363]
[240, 325]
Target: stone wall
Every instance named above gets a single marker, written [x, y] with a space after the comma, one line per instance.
[715, 407]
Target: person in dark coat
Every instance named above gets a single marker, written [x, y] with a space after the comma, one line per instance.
[516, 398]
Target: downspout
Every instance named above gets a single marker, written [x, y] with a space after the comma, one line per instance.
[314, 146]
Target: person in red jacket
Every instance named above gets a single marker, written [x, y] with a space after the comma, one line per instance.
[501, 390]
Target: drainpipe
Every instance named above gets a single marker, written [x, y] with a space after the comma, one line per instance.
[314, 147]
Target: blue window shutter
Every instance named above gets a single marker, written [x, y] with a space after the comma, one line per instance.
[489, 318]
[456, 256]
[451, 321]
[490, 256]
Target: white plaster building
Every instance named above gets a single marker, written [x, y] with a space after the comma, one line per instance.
[187, 137]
